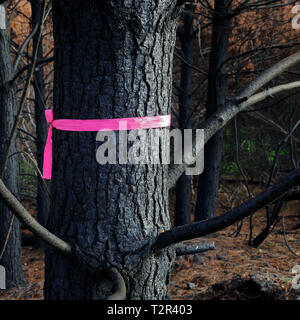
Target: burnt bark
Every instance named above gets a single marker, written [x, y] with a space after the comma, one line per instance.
[12, 258]
[209, 180]
[112, 60]
[183, 186]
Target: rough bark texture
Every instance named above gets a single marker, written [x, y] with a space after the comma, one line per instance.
[112, 60]
[41, 125]
[12, 259]
[209, 180]
[183, 186]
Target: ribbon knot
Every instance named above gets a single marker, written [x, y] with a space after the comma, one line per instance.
[47, 166]
[49, 115]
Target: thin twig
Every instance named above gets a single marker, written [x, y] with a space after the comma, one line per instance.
[12, 219]
[24, 95]
[36, 167]
[24, 216]
[182, 250]
[286, 241]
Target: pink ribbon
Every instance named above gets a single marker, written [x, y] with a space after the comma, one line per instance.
[96, 125]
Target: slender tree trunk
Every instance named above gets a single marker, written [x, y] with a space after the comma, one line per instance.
[208, 182]
[183, 186]
[12, 257]
[41, 125]
[112, 60]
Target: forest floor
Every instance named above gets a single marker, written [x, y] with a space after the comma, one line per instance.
[230, 271]
[234, 270]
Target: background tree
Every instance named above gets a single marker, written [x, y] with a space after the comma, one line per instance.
[41, 125]
[112, 60]
[10, 239]
[208, 182]
[183, 186]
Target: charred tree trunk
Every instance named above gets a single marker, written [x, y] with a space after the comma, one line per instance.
[112, 60]
[183, 186]
[41, 125]
[209, 180]
[12, 258]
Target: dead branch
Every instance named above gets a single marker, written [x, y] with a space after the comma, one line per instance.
[119, 285]
[242, 100]
[206, 227]
[182, 250]
[24, 216]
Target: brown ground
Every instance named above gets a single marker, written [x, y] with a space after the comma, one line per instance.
[196, 277]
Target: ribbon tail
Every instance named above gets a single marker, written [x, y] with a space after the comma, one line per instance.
[47, 166]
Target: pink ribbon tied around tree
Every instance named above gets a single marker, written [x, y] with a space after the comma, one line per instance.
[96, 125]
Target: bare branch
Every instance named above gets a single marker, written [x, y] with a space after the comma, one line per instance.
[11, 223]
[286, 240]
[203, 228]
[25, 93]
[193, 249]
[28, 66]
[270, 93]
[24, 216]
[260, 116]
[19, 54]
[119, 285]
[242, 100]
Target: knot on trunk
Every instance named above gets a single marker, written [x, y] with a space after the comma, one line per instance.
[90, 260]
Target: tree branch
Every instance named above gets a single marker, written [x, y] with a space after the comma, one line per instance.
[19, 54]
[241, 101]
[28, 66]
[182, 250]
[203, 228]
[24, 216]
[119, 285]
[25, 93]
[270, 93]
[260, 116]
[181, 2]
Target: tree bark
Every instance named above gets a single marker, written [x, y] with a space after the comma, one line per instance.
[12, 257]
[208, 182]
[112, 60]
[183, 186]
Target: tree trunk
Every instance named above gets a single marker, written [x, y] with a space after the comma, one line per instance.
[41, 125]
[112, 60]
[208, 182]
[12, 258]
[183, 186]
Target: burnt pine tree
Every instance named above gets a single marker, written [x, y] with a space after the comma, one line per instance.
[10, 239]
[208, 181]
[113, 59]
[183, 186]
[41, 125]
